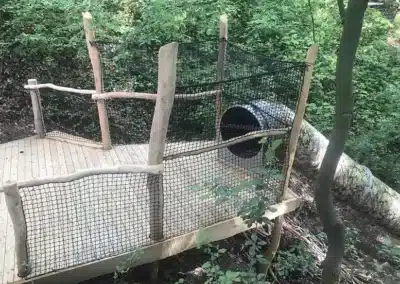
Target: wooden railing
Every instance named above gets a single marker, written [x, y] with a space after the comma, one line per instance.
[16, 211]
[100, 96]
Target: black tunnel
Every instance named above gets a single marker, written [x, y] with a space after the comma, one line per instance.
[239, 120]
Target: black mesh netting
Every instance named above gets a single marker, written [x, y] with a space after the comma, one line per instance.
[69, 114]
[210, 173]
[247, 77]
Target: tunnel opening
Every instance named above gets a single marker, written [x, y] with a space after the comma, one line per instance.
[238, 121]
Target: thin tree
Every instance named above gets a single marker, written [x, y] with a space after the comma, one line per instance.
[331, 221]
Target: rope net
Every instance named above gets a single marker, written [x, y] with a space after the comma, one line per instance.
[211, 175]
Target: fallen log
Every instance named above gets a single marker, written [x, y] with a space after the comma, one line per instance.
[354, 183]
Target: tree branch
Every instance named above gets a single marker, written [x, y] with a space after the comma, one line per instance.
[342, 10]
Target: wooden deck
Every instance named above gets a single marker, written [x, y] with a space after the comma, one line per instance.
[185, 211]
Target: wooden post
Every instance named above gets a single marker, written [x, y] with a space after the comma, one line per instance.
[14, 206]
[94, 55]
[223, 37]
[167, 58]
[294, 136]
[300, 110]
[37, 110]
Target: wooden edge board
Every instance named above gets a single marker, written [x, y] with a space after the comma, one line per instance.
[59, 88]
[152, 169]
[69, 140]
[160, 250]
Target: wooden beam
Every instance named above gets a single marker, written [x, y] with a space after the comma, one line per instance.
[14, 206]
[162, 250]
[300, 110]
[59, 88]
[149, 96]
[294, 135]
[62, 137]
[151, 169]
[232, 141]
[124, 95]
[37, 110]
[223, 37]
[94, 55]
[167, 59]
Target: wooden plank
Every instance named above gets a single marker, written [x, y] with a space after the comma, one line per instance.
[68, 158]
[161, 250]
[28, 159]
[74, 156]
[167, 59]
[79, 141]
[114, 157]
[60, 156]
[47, 158]
[55, 161]
[34, 155]
[41, 158]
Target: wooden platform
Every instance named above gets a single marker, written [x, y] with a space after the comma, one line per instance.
[110, 217]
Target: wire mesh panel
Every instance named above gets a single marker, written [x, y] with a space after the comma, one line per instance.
[201, 190]
[88, 219]
[130, 120]
[69, 114]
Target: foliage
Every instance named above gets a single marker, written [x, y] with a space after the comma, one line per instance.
[296, 262]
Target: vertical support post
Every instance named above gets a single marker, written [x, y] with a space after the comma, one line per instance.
[94, 55]
[14, 206]
[223, 37]
[294, 136]
[300, 110]
[37, 109]
[167, 58]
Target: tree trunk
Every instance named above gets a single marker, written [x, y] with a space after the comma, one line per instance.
[331, 221]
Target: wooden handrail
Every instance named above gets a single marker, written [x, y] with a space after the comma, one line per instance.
[120, 95]
[60, 88]
[230, 142]
[149, 96]
[150, 169]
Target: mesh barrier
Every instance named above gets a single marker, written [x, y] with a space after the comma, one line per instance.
[247, 77]
[71, 115]
[85, 220]
[202, 190]
[101, 216]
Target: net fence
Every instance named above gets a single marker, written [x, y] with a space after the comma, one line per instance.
[247, 76]
[211, 175]
[70, 115]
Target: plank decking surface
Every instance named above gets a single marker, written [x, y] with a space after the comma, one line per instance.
[100, 216]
